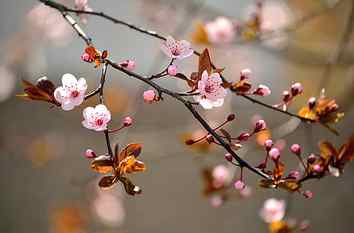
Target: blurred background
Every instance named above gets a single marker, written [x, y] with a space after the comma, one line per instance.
[46, 183]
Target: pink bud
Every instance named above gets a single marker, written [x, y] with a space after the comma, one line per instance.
[209, 138]
[90, 154]
[317, 168]
[262, 90]
[245, 74]
[127, 121]
[311, 102]
[304, 225]
[296, 149]
[260, 125]
[86, 57]
[268, 144]
[128, 64]
[231, 117]
[243, 136]
[286, 96]
[294, 175]
[308, 194]
[296, 89]
[274, 153]
[149, 96]
[228, 157]
[172, 70]
[246, 192]
[239, 185]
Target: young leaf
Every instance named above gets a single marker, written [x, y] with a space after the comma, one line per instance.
[102, 164]
[107, 181]
[204, 63]
[131, 149]
[129, 187]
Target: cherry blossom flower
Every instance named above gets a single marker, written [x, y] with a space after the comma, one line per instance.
[72, 93]
[82, 5]
[211, 92]
[96, 118]
[221, 30]
[273, 210]
[177, 49]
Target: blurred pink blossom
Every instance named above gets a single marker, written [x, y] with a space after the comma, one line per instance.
[221, 30]
[273, 210]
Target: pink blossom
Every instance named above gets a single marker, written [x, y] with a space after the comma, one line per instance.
[221, 30]
[308, 194]
[128, 64]
[273, 210]
[216, 201]
[211, 92]
[172, 70]
[82, 5]
[72, 93]
[96, 118]
[239, 185]
[127, 121]
[221, 175]
[274, 153]
[89, 153]
[262, 90]
[86, 57]
[149, 96]
[176, 49]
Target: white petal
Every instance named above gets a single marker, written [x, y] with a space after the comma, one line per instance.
[67, 106]
[81, 84]
[87, 112]
[58, 94]
[206, 104]
[77, 100]
[218, 103]
[101, 108]
[68, 80]
[86, 125]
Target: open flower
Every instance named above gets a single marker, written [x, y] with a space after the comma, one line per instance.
[211, 92]
[72, 93]
[176, 49]
[96, 118]
[273, 210]
[220, 31]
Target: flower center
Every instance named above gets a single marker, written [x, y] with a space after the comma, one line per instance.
[176, 52]
[75, 93]
[210, 88]
[99, 122]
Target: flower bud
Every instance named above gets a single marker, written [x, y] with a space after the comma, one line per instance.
[86, 57]
[245, 74]
[286, 96]
[296, 149]
[262, 90]
[317, 168]
[268, 144]
[209, 138]
[239, 185]
[90, 154]
[308, 194]
[274, 153]
[294, 175]
[127, 121]
[311, 102]
[311, 159]
[231, 117]
[260, 125]
[228, 157]
[243, 136]
[149, 96]
[172, 70]
[189, 142]
[128, 64]
[296, 89]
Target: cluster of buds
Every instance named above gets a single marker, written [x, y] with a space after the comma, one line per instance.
[288, 96]
[243, 86]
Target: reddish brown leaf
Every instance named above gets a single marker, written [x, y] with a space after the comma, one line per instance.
[129, 187]
[107, 181]
[131, 149]
[130, 165]
[42, 91]
[279, 170]
[102, 164]
[204, 63]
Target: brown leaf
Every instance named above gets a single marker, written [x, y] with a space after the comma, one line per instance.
[279, 170]
[107, 181]
[129, 187]
[241, 87]
[307, 113]
[42, 91]
[289, 185]
[327, 151]
[131, 149]
[204, 63]
[279, 227]
[130, 165]
[267, 184]
[102, 164]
